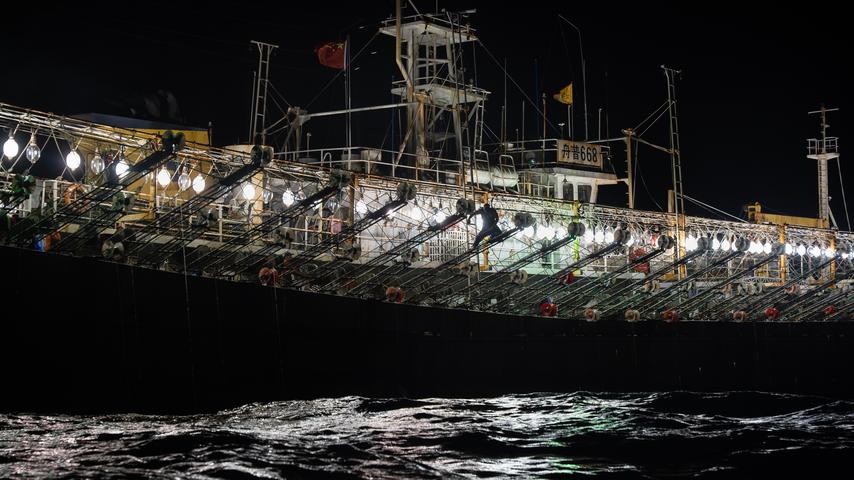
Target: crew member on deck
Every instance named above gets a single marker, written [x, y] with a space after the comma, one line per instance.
[490, 223]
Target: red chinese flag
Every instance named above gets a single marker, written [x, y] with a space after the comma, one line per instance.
[331, 54]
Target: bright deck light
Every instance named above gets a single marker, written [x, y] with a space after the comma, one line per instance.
[10, 148]
[164, 177]
[199, 183]
[72, 160]
[248, 191]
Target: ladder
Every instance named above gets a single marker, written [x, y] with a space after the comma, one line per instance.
[478, 126]
[481, 163]
[507, 167]
[259, 107]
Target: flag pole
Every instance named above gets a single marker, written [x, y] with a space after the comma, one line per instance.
[348, 98]
[569, 120]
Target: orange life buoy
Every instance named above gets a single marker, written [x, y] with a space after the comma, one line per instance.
[632, 315]
[772, 313]
[739, 315]
[830, 310]
[71, 194]
[670, 315]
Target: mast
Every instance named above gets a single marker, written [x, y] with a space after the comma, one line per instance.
[428, 52]
[675, 166]
[823, 149]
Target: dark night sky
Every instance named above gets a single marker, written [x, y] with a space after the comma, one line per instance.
[749, 77]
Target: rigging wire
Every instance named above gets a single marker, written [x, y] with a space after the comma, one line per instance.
[712, 208]
[270, 84]
[537, 108]
[650, 115]
[842, 186]
[643, 181]
[341, 72]
[652, 123]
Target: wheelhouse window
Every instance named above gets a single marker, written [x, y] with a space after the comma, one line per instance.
[568, 191]
[584, 192]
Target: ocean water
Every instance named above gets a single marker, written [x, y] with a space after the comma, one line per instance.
[659, 435]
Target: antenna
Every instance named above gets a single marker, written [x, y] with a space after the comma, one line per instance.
[824, 149]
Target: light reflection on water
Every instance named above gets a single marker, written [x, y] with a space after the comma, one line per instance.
[675, 434]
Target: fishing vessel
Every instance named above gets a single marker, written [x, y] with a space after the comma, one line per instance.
[168, 274]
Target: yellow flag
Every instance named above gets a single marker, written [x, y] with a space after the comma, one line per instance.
[565, 95]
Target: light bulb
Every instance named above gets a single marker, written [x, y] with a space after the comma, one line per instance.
[440, 216]
[248, 191]
[10, 148]
[199, 183]
[802, 250]
[122, 167]
[690, 243]
[725, 244]
[631, 240]
[829, 252]
[361, 208]
[767, 248]
[789, 249]
[266, 196]
[416, 214]
[716, 244]
[815, 251]
[32, 152]
[288, 198]
[164, 177]
[528, 232]
[589, 236]
[97, 164]
[547, 232]
[184, 180]
[609, 236]
[561, 232]
[599, 236]
[72, 160]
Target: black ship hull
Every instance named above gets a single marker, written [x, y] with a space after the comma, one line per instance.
[80, 334]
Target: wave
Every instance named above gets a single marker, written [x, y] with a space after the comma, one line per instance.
[542, 435]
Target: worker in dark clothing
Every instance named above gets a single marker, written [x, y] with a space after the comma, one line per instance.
[490, 223]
